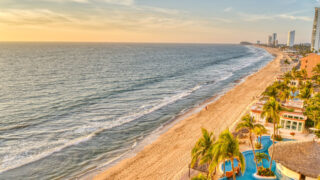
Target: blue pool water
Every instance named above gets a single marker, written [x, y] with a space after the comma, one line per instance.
[250, 165]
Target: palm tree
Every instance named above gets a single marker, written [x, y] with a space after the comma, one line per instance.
[294, 73]
[199, 177]
[304, 74]
[305, 93]
[202, 147]
[287, 76]
[259, 131]
[271, 91]
[227, 148]
[261, 156]
[316, 71]
[271, 111]
[247, 123]
[313, 109]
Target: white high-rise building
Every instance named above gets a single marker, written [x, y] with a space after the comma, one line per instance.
[315, 40]
[290, 41]
[269, 41]
[274, 38]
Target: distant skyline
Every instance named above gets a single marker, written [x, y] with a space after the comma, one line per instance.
[187, 21]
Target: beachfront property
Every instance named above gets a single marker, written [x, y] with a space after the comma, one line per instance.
[256, 110]
[309, 62]
[293, 82]
[291, 36]
[291, 119]
[297, 159]
[315, 40]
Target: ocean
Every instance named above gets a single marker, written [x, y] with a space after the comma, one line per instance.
[68, 108]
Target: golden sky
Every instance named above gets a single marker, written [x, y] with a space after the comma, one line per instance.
[151, 21]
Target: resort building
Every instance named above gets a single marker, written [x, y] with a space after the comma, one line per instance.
[291, 37]
[315, 40]
[293, 82]
[293, 120]
[297, 159]
[309, 62]
[256, 111]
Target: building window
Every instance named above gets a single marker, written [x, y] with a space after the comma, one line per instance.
[288, 124]
[290, 116]
[300, 126]
[294, 126]
[296, 117]
[301, 118]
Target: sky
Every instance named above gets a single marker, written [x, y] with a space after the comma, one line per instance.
[174, 21]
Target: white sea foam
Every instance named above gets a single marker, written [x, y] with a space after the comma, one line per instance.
[12, 161]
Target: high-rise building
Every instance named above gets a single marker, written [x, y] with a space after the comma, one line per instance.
[274, 39]
[290, 41]
[258, 42]
[269, 42]
[316, 31]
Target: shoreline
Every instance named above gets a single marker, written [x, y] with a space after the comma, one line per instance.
[137, 165]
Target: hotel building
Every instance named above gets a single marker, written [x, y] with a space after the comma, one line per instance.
[309, 62]
[291, 37]
[293, 120]
[315, 40]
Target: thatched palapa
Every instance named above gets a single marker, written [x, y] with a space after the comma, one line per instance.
[302, 157]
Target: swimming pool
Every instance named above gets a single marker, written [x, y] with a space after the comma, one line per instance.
[250, 164]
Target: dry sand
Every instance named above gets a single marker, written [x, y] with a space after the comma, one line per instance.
[168, 157]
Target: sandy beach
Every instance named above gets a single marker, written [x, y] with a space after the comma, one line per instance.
[168, 157]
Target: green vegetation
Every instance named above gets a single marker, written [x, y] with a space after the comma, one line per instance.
[259, 131]
[200, 176]
[202, 148]
[210, 152]
[261, 156]
[265, 172]
[257, 145]
[247, 123]
[271, 111]
[302, 49]
[227, 148]
[312, 110]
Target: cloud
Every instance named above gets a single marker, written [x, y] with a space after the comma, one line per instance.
[224, 20]
[259, 17]
[36, 17]
[117, 2]
[228, 9]
[118, 19]
[62, 1]
[120, 2]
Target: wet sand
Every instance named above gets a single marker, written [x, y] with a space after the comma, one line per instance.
[168, 157]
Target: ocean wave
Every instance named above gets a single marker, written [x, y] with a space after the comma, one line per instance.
[11, 162]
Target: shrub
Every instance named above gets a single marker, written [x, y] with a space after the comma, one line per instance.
[258, 146]
[265, 172]
[277, 137]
